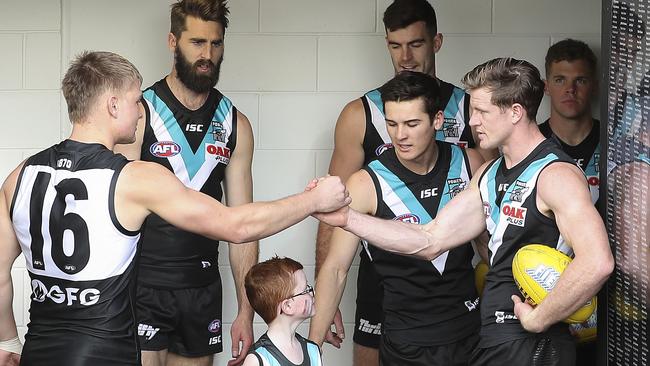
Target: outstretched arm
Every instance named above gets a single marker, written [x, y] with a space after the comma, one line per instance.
[9, 251]
[144, 187]
[460, 221]
[583, 229]
[239, 191]
[347, 158]
[343, 247]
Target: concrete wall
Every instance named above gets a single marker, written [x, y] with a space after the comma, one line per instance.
[290, 66]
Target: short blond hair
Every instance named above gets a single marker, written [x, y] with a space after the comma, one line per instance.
[92, 73]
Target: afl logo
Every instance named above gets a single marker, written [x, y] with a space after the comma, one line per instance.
[165, 149]
[408, 218]
[383, 148]
[215, 326]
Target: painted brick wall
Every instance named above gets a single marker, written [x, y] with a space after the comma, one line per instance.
[290, 66]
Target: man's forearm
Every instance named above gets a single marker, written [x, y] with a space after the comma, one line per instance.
[7, 321]
[577, 285]
[393, 236]
[329, 291]
[323, 237]
[242, 258]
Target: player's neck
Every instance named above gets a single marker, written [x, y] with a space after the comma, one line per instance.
[521, 143]
[189, 98]
[571, 131]
[283, 335]
[424, 163]
[90, 132]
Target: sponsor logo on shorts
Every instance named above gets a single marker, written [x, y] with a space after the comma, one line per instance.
[214, 326]
[165, 149]
[206, 264]
[545, 276]
[472, 305]
[408, 218]
[381, 148]
[514, 215]
[67, 295]
[145, 330]
[367, 327]
[502, 316]
[214, 340]
[218, 151]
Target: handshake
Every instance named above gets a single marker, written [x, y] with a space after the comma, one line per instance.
[331, 200]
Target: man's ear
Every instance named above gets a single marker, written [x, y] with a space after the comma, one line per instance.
[546, 86]
[517, 112]
[172, 42]
[437, 42]
[112, 105]
[438, 120]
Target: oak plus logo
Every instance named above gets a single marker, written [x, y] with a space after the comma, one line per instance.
[514, 215]
[219, 151]
[65, 295]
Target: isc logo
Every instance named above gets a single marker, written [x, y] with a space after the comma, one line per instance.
[214, 340]
[429, 192]
[165, 149]
[193, 127]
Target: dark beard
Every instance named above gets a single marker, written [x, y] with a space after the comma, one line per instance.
[189, 75]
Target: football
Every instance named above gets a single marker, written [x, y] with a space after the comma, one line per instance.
[536, 269]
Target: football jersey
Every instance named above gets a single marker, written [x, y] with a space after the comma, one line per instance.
[455, 128]
[265, 349]
[586, 154]
[80, 259]
[513, 220]
[196, 146]
[425, 302]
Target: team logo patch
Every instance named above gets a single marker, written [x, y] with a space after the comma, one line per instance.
[514, 215]
[408, 218]
[214, 326]
[456, 185]
[165, 149]
[518, 191]
[218, 132]
[450, 128]
[379, 150]
[219, 151]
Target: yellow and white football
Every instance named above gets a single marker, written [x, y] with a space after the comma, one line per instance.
[536, 269]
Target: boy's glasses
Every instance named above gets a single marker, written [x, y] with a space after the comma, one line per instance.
[308, 290]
